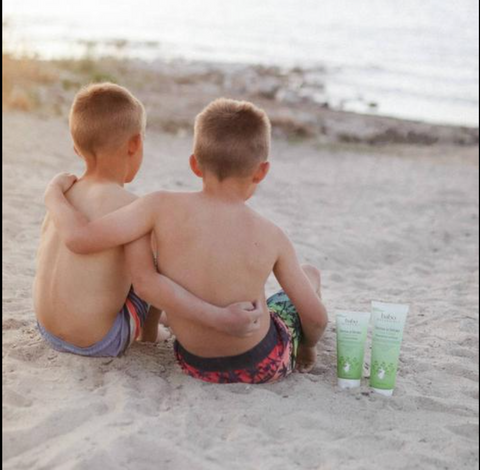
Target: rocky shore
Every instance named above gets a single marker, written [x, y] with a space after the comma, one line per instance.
[175, 91]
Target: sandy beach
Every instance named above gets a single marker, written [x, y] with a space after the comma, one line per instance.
[387, 209]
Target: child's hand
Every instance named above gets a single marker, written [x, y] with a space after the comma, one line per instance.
[62, 182]
[306, 358]
[241, 319]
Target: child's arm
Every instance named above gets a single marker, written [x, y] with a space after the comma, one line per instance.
[238, 320]
[294, 281]
[117, 228]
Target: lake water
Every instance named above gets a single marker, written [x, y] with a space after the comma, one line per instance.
[416, 59]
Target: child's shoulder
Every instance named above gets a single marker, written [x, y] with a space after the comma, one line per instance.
[98, 199]
[117, 197]
[269, 228]
[163, 197]
[124, 197]
[160, 202]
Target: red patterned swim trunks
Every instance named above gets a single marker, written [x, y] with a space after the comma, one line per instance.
[271, 360]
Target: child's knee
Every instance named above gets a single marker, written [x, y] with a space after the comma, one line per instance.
[313, 275]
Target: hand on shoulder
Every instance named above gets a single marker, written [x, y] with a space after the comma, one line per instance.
[61, 182]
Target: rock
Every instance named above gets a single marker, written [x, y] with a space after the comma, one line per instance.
[288, 96]
[267, 87]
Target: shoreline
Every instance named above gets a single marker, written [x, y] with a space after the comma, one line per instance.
[175, 91]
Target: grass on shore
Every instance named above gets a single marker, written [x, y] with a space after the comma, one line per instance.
[30, 84]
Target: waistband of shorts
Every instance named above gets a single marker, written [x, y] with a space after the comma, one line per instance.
[247, 360]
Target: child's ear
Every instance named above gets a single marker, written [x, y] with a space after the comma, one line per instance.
[134, 144]
[84, 158]
[195, 166]
[261, 173]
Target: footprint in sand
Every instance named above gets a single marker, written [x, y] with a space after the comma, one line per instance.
[459, 371]
[470, 431]
[464, 352]
[14, 399]
[438, 406]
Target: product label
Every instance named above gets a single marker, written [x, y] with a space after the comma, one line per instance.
[351, 336]
[387, 340]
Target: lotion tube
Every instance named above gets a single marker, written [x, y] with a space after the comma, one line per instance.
[352, 329]
[388, 326]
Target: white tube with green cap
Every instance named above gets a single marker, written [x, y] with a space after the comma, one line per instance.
[388, 326]
[352, 329]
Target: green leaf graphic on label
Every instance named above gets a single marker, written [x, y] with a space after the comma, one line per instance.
[383, 370]
[349, 366]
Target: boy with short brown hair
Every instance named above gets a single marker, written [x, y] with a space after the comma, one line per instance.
[85, 304]
[219, 249]
[231, 139]
[103, 116]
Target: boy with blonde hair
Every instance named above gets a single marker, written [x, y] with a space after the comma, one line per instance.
[218, 248]
[85, 304]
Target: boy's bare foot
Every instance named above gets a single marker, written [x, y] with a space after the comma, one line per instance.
[164, 320]
[163, 334]
[306, 359]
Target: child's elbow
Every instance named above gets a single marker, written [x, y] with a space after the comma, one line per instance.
[76, 244]
[141, 286]
[323, 323]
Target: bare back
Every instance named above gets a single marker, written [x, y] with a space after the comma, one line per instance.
[77, 297]
[222, 253]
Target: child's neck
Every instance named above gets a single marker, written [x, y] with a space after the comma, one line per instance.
[106, 169]
[232, 190]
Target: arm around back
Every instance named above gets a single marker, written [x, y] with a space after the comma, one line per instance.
[238, 320]
[117, 228]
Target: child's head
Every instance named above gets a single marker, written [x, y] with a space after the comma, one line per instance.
[232, 140]
[105, 120]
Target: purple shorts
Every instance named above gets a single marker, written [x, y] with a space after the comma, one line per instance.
[124, 332]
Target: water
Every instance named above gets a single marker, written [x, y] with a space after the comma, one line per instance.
[416, 59]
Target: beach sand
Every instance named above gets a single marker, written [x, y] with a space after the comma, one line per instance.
[395, 223]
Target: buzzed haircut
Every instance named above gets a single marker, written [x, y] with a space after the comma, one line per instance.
[231, 138]
[104, 116]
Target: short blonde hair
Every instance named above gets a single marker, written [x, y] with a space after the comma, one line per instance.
[231, 138]
[103, 116]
